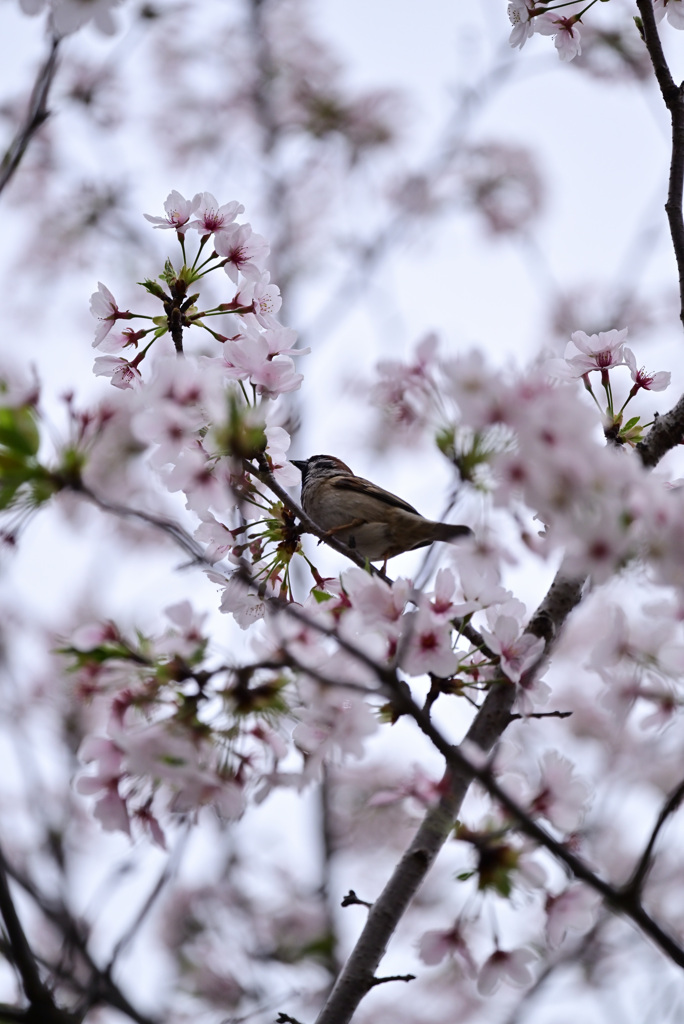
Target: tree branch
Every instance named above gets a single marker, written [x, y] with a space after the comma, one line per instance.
[674, 101]
[635, 884]
[36, 116]
[41, 1003]
[487, 727]
[666, 433]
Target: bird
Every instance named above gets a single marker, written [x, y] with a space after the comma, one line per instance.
[373, 522]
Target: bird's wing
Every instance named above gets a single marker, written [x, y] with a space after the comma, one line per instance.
[361, 486]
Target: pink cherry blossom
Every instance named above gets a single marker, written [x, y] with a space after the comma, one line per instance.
[210, 217]
[429, 647]
[248, 358]
[334, 725]
[599, 351]
[419, 786]
[673, 9]
[562, 796]
[245, 251]
[104, 308]
[378, 604]
[110, 807]
[567, 38]
[518, 651]
[244, 602]
[519, 13]
[434, 946]
[123, 374]
[477, 586]
[510, 967]
[178, 212]
[526, 22]
[649, 381]
[264, 297]
[277, 443]
[186, 638]
[575, 909]
[199, 477]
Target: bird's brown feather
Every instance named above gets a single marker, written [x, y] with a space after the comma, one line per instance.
[360, 485]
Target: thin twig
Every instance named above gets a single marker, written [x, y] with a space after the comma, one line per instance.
[636, 882]
[169, 870]
[36, 115]
[22, 954]
[162, 523]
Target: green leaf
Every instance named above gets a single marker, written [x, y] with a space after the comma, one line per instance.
[18, 430]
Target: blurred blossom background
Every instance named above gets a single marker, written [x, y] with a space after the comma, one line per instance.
[420, 183]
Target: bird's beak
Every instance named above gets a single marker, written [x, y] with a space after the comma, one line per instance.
[299, 463]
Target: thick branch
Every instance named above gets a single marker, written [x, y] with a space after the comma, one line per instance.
[674, 101]
[666, 433]
[490, 722]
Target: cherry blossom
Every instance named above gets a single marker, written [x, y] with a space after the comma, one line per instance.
[122, 373]
[210, 217]
[244, 251]
[186, 638]
[429, 646]
[508, 966]
[378, 604]
[244, 602]
[178, 212]
[574, 909]
[277, 443]
[599, 351]
[567, 38]
[418, 786]
[335, 724]
[517, 651]
[435, 945]
[110, 808]
[526, 21]
[104, 308]
[562, 796]
[249, 358]
[477, 587]
[263, 296]
[673, 9]
[649, 381]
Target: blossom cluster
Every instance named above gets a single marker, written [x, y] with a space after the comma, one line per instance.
[187, 733]
[204, 416]
[183, 731]
[532, 436]
[529, 17]
[258, 349]
[180, 733]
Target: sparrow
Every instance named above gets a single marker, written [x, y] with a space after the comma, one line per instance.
[370, 520]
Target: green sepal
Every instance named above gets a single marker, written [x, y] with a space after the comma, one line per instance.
[154, 289]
